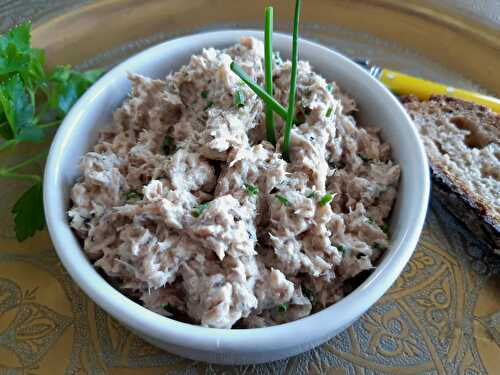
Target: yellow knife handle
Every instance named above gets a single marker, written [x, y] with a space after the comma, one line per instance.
[402, 84]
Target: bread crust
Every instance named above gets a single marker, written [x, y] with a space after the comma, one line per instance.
[475, 213]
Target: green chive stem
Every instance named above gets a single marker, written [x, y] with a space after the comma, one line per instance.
[293, 83]
[268, 62]
[266, 98]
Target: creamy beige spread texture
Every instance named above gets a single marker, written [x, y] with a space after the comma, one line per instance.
[186, 207]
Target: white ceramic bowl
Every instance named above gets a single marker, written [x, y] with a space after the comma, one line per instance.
[78, 134]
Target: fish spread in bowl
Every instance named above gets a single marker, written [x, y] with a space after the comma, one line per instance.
[186, 207]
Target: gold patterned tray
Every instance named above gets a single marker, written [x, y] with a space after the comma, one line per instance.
[441, 316]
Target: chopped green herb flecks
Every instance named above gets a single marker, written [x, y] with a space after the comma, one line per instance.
[209, 104]
[329, 87]
[307, 293]
[239, 98]
[370, 220]
[283, 199]
[251, 189]
[164, 306]
[283, 307]
[340, 248]
[378, 246]
[204, 94]
[364, 158]
[325, 199]
[132, 194]
[329, 111]
[168, 145]
[311, 194]
[197, 211]
[385, 228]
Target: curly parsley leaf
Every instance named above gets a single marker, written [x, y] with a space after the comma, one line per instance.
[28, 212]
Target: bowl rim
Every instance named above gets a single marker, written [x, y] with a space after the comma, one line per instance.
[153, 325]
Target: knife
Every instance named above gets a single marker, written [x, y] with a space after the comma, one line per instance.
[403, 84]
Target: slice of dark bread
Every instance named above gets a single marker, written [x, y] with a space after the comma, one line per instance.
[462, 141]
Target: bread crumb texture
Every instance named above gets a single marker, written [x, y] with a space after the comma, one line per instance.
[462, 140]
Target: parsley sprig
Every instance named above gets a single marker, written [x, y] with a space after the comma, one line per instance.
[32, 101]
